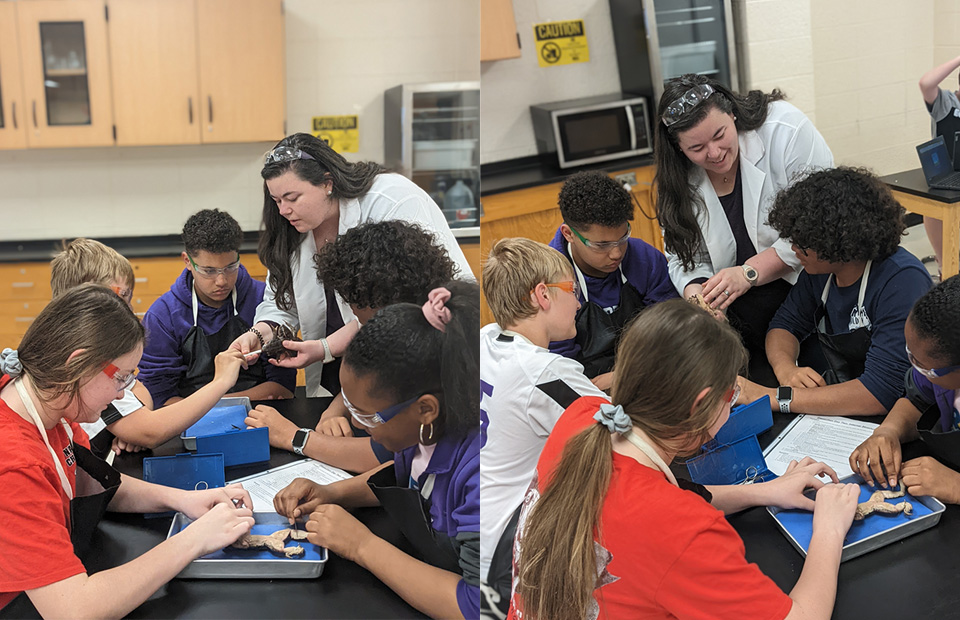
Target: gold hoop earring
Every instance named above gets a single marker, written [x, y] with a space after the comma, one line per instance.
[429, 437]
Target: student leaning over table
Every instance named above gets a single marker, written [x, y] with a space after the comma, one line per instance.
[77, 356]
[370, 267]
[607, 531]
[853, 296]
[311, 194]
[411, 376]
[721, 158]
[933, 345]
[130, 422]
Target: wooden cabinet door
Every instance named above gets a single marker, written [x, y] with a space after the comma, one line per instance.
[13, 129]
[153, 54]
[66, 73]
[498, 30]
[242, 88]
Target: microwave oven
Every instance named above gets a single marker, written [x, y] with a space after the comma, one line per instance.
[592, 129]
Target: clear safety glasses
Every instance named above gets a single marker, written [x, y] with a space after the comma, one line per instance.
[212, 272]
[686, 102]
[929, 373]
[571, 287]
[285, 153]
[371, 420]
[122, 381]
[602, 246]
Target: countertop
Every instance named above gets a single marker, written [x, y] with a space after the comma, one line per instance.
[513, 174]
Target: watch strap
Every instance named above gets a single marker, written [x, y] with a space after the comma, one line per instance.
[299, 446]
[327, 355]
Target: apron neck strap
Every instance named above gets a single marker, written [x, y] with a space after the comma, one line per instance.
[647, 449]
[196, 304]
[35, 416]
[582, 281]
[427, 489]
[863, 286]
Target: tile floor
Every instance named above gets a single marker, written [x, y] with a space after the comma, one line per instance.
[916, 242]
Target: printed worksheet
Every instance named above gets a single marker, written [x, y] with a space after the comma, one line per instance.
[829, 439]
[263, 486]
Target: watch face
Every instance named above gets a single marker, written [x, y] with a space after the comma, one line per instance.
[299, 438]
[784, 393]
[750, 272]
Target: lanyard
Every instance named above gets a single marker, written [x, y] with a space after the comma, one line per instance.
[32, 411]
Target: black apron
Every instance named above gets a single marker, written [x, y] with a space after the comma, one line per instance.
[199, 349]
[410, 510]
[845, 353]
[97, 482]
[598, 332]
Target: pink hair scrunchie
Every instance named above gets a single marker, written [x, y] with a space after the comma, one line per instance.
[435, 310]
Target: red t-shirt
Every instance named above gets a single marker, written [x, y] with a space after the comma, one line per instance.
[670, 553]
[35, 548]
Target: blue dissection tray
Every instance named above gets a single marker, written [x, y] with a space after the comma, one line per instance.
[185, 471]
[238, 447]
[731, 464]
[873, 532]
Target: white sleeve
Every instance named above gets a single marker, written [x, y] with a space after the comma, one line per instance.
[116, 410]
[680, 277]
[267, 309]
[561, 382]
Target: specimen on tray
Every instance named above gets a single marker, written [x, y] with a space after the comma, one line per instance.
[876, 503]
[273, 542]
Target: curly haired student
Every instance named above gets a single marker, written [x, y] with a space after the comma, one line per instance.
[854, 294]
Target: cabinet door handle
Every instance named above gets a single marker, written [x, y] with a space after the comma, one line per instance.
[34, 113]
[21, 284]
[14, 114]
[23, 319]
[190, 108]
[210, 107]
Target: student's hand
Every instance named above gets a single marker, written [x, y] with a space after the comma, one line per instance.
[801, 377]
[730, 280]
[222, 525]
[335, 426]
[227, 368]
[603, 382]
[282, 430]
[834, 509]
[331, 526]
[246, 342]
[750, 391]
[300, 498]
[195, 504]
[877, 459]
[308, 352]
[119, 445]
[928, 476]
[787, 490]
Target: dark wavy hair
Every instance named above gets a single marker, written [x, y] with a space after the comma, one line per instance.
[936, 317]
[407, 356]
[678, 201]
[211, 230]
[592, 197]
[843, 214]
[280, 241]
[381, 263]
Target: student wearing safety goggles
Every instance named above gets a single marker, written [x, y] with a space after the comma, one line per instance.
[932, 384]
[207, 307]
[618, 275]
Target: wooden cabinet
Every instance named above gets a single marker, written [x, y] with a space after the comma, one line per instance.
[498, 30]
[533, 213]
[205, 71]
[65, 72]
[13, 128]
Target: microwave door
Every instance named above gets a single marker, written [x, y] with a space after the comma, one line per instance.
[588, 136]
[633, 128]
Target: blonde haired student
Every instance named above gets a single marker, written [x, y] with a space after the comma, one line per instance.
[608, 531]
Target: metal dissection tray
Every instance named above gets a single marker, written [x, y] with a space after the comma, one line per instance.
[232, 563]
[222, 417]
[873, 532]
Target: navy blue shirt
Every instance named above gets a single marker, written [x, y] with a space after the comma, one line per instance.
[894, 285]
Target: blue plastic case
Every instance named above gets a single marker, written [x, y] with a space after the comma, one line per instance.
[185, 471]
[238, 447]
[734, 455]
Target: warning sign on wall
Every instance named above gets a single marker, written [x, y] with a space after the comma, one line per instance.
[561, 43]
[340, 132]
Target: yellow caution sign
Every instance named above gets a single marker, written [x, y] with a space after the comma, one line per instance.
[561, 43]
[340, 132]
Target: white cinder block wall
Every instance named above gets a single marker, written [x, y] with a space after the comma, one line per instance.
[341, 55]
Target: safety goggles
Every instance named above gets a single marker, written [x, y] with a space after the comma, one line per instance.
[686, 102]
[732, 394]
[929, 373]
[602, 246]
[213, 272]
[122, 381]
[126, 294]
[371, 420]
[285, 153]
[571, 287]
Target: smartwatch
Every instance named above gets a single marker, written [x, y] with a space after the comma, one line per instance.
[750, 274]
[300, 440]
[784, 397]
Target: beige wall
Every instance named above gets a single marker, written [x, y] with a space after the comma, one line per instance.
[341, 55]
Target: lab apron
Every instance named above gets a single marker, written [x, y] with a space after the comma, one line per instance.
[410, 510]
[96, 482]
[845, 353]
[199, 349]
[598, 331]
[943, 445]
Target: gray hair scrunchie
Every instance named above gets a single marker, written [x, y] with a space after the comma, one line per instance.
[10, 363]
[614, 418]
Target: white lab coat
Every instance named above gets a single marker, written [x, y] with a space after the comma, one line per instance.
[391, 197]
[770, 157]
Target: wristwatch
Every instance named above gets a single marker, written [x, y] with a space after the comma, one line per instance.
[750, 274]
[784, 397]
[300, 440]
[327, 355]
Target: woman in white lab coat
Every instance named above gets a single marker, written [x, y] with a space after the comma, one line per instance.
[721, 158]
[311, 194]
